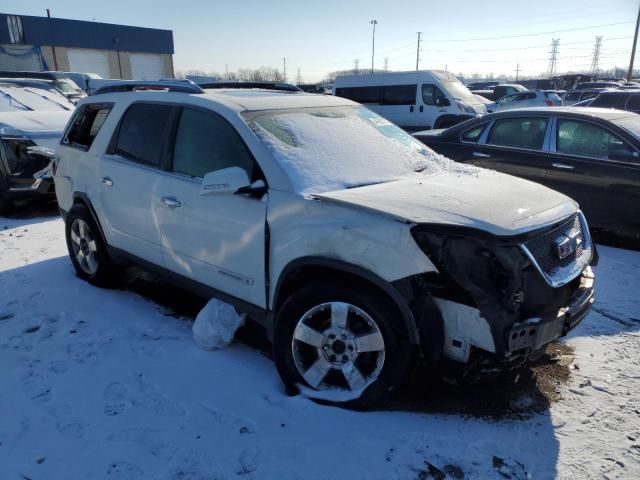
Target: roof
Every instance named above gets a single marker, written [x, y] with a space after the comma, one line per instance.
[603, 113]
[62, 32]
[256, 99]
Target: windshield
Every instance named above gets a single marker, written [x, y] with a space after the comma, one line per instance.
[67, 86]
[458, 91]
[14, 98]
[630, 123]
[333, 148]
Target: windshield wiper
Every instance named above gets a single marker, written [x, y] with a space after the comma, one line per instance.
[11, 97]
[47, 98]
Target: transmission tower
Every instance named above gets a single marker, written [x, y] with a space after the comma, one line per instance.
[553, 56]
[356, 63]
[596, 55]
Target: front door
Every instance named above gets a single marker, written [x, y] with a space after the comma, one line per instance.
[434, 104]
[216, 239]
[600, 170]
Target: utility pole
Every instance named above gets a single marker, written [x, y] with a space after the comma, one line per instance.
[633, 49]
[373, 42]
[226, 71]
[553, 56]
[284, 69]
[596, 55]
[418, 52]
[356, 62]
[517, 71]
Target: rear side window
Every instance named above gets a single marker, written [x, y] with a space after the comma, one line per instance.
[588, 140]
[634, 103]
[399, 95]
[473, 134]
[142, 130]
[610, 101]
[86, 124]
[361, 94]
[206, 142]
[519, 133]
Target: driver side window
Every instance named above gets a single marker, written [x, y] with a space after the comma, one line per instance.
[206, 142]
[432, 95]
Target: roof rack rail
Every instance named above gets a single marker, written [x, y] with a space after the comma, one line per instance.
[132, 85]
[224, 84]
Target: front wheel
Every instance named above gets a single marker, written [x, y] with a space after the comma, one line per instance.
[345, 343]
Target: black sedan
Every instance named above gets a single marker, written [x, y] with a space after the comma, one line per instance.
[589, 154]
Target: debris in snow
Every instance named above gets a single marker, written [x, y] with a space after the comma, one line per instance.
[216, 324]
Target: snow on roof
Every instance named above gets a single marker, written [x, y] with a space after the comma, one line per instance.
[259, 99]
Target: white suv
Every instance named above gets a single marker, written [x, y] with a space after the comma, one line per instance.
[359, 249]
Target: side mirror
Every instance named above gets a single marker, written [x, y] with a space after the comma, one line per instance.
[226, 180]
[442, 102]
[623, 155]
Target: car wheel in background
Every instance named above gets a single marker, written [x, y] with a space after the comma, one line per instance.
[343, 342]
[87, 249]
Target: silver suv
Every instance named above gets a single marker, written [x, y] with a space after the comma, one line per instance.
[360, 250]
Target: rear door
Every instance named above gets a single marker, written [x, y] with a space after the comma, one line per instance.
[217, 239]
[515, 145]
[599, 169]
[129, 178]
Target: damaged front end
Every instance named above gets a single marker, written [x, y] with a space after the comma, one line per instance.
[500, 300]
[24, 169]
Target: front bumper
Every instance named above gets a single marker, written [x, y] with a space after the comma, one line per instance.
[535, 333]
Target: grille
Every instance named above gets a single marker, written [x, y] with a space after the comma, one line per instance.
[543, 251]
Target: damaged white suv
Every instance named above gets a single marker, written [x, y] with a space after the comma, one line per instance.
[359, 249]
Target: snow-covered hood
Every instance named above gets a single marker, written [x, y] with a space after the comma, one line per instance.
[490, 201]
[44, 128]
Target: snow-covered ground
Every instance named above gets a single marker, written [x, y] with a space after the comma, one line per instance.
[100, 384]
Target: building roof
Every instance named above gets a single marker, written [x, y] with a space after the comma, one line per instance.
[61, 32]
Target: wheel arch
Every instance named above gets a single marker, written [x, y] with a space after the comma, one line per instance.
[81, 198]
[301, 269]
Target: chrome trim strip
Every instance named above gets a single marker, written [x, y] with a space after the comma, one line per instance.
[578, 265]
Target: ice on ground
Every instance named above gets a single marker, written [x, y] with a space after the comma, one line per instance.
[216, 324]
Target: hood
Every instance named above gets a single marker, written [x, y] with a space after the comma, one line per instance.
[482, 199]
[44, 128]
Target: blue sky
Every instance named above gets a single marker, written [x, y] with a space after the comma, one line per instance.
[321, 36]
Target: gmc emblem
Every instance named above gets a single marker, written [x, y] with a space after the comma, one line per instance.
[568, 244]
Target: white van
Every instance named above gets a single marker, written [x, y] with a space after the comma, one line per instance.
[419, 100]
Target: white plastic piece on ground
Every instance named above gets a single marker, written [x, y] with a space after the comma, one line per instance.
[216, 324]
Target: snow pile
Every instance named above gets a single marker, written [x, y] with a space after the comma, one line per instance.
[333, 149]
[216, 324]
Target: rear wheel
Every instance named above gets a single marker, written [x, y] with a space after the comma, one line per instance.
[87, 249]
[342, 341]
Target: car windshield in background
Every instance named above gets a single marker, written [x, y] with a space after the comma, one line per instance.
[67, 86]
[13, 98]
[333, 148]
[457, 90]
[630, 123]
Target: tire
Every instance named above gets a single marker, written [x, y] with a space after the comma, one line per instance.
[5, 205]
[88, 251]
[372, 375]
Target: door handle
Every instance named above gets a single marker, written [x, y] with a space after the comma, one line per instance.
[421, 109]
[481, 155]
[563, 166]
[411, 108]
[171, 202]
[107, 181]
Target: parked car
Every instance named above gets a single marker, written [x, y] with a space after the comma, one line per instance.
[526, 99]
[598, 84]
[64, 84]
[82, 79]
[482, 85]
[575, 96]
[412, 100]
[622, 100]
[351, 266]
[43, 88]
[31, 124]
[589, 154]
[502, 90]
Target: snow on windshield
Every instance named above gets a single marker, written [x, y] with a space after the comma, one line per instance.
[333, 148]
[30, 98]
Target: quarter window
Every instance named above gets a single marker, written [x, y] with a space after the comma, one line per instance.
[590, 140]
[206, 142]
[473, 134]
[141, 133]
[399, 95]
[519, 133]
[86, 124]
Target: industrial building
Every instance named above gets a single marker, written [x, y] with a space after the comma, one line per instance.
[111, 51]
